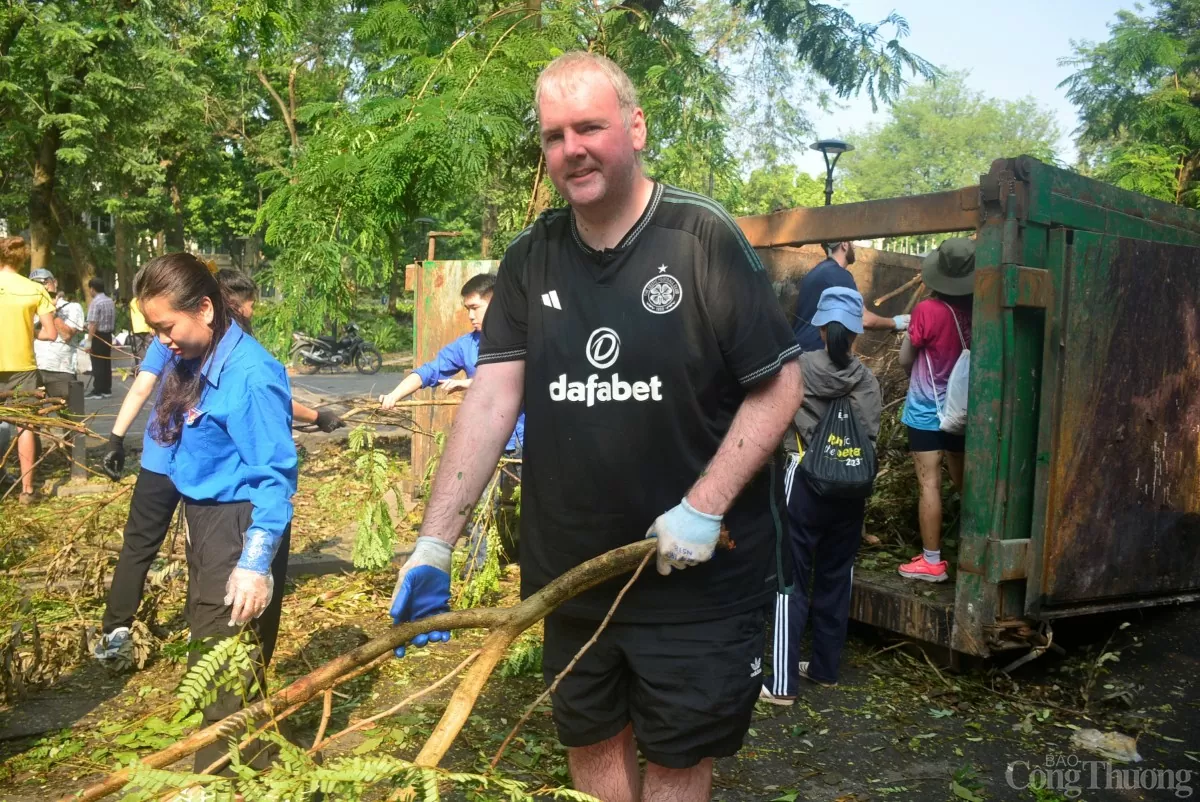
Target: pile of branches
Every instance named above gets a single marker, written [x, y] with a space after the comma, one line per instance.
[347, 777]
[36, 411]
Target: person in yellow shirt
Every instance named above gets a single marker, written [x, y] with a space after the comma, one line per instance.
[20, 301]
[139, 334]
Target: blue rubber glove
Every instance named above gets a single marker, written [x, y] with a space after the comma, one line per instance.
[901, 322]
[423, 589]
[686, 537]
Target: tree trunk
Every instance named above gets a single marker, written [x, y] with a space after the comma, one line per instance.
[491, 221]
[42, 230]
[123, 257]
[175, 227]
[396, 285]
[78, 240]
[160, 243]
[252, 255]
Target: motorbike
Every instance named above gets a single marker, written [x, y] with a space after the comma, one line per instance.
[310, 354]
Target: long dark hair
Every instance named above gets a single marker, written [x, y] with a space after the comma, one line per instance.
[238, 288]
[839, 342]
[186, 281]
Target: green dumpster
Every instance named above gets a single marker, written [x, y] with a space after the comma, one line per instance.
[1082, 483]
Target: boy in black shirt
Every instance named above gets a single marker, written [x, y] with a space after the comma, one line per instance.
[641, 331]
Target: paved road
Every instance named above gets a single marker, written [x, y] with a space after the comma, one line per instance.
[319, 389]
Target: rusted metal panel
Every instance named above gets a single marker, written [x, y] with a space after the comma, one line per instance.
[1123, 501]
[885, 600]
[1027, 286]
[1006, 560]
[438, 318]
[936, 213]
[1062, 197]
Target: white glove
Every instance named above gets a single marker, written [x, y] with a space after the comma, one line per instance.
[901, 322]
[686, 537]
[247, 595]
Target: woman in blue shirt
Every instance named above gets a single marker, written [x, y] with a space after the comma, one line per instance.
[224, 414]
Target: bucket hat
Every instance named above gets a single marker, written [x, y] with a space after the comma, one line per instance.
[950, 269]
[840, 304]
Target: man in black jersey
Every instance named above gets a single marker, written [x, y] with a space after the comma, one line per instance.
[659, 375]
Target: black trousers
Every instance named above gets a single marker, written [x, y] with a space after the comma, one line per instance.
[215, 536]
[102, 362]
[150, 511]
[824, 534]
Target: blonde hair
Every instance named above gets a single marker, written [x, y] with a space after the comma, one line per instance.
[13, 251]
[565, 69]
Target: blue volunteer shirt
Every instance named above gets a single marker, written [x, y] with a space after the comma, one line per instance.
[462, 354]
[155, 457]
[825, 275]
[236, 443]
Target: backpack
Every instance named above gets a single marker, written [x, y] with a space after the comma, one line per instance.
[952, 415]
[840, 461]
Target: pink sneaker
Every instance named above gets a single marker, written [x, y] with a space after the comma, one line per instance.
[919, 568]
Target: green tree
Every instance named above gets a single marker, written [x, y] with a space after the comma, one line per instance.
[436, 122]
[769, 189]
[942, 136]
[70, 75]
[1138, 95]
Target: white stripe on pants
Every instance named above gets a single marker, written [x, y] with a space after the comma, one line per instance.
[779, 648]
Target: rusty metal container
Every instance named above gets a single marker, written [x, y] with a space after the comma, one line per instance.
[1082, 485]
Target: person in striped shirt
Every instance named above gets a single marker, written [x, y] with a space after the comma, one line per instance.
[101, 320]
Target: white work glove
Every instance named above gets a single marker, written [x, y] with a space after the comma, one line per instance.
[686, 537]
[247, 594]
[901, 322]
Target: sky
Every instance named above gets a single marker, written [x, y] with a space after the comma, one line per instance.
[1011, 48]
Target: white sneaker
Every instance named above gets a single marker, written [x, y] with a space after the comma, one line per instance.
[109, 646]
[804, 674]
[770, 698]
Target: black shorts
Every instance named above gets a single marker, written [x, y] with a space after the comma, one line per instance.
[924, 440]
[689, 689]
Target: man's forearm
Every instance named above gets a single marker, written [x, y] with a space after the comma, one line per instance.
[48, 331]
[481, 428]
[753, 436]
[876, 322]
[64, 329]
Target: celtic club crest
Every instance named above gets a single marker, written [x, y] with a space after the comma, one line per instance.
[662, 293]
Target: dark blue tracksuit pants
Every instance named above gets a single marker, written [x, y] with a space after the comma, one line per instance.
[824, 534]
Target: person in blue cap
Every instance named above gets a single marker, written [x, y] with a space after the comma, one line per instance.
[824, 532]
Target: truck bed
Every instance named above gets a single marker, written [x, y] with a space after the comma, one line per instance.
[884, 599]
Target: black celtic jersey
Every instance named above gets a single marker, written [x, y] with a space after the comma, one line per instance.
[636, 360]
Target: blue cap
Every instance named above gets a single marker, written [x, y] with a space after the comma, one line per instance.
[840, 304]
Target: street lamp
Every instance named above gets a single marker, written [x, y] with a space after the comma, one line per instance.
[831, 146]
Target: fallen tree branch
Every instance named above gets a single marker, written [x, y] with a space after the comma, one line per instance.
[908, 285]
[506, 623]
[396, 708]
[570, 665]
